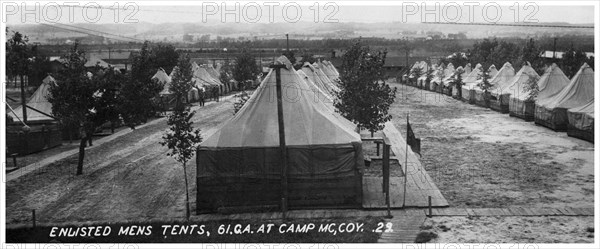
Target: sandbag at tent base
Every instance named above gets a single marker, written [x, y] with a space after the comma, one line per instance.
[557, 120]
[239, 193]
[41, 136]
[468, 96]
[587, 135]
[479, 99]
[433, 87]
[498, 106]
[427, 85]
[525, 111]
[525, 116]
[447, 91]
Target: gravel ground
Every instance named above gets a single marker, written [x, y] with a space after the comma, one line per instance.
[482, 158]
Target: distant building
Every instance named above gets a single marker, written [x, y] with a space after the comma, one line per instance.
[458, 36]
[559, 55]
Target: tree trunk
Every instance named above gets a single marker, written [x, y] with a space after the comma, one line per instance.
[23, 100]
[81, 155]
[187, 195]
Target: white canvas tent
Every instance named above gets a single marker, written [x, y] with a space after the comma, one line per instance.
[581, 121]
[552, 112]
[470, 82]
[521, 102]
[239, 165]
[551, 83]
[39, 101]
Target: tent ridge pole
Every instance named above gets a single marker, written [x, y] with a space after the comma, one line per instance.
[282, 146]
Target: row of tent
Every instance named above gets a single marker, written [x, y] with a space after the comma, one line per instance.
[560, 103]
[239, 165]
[205, 78]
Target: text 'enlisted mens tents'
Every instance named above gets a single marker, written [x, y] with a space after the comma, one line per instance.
[581, 121]
[552, 112]
[521, 100]
[240, 164]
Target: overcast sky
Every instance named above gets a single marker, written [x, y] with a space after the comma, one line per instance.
[265, 12]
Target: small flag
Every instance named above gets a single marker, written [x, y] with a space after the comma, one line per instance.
[411, 140]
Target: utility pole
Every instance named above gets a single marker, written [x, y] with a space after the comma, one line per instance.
[287, 42]
[554, 49]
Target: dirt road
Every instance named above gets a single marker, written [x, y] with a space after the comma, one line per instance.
[130, 177]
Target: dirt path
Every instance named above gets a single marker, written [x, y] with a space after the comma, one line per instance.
[129, 177]
[482, 158]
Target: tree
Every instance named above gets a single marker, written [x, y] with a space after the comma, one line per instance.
[485, 85]
[482, 51]
[245, 67]
[18, 62]
[429, 76]
[83, 99]
[139, 94]
[181, 83]
[307, 57]
[458, 59]
[364, 97]
[225, 74]
[164, 56]
[572, 61]
[531, 54]
[457, 83]
[531, 87]
[242, 99]
[416, 73]
[107, 101]
[291, 56]
[182, 137]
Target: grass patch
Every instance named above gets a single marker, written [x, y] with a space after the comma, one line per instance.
[223, 231]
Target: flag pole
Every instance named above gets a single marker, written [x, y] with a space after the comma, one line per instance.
[405, 164]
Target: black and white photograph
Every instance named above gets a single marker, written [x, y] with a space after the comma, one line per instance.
[299, 124]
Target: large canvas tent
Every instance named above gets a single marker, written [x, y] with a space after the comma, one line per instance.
[477, 93]
[217, 77]
[319, 79]
[44, 131]
[551, 83]
[239, 165]
[327, 71]
[581, 121]
[39, 101]
[500, 83]
[203, 79]
[552, 112]
[439, 75]
[447, 82]
[521, 102]
[470, 82]
[332, 68]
